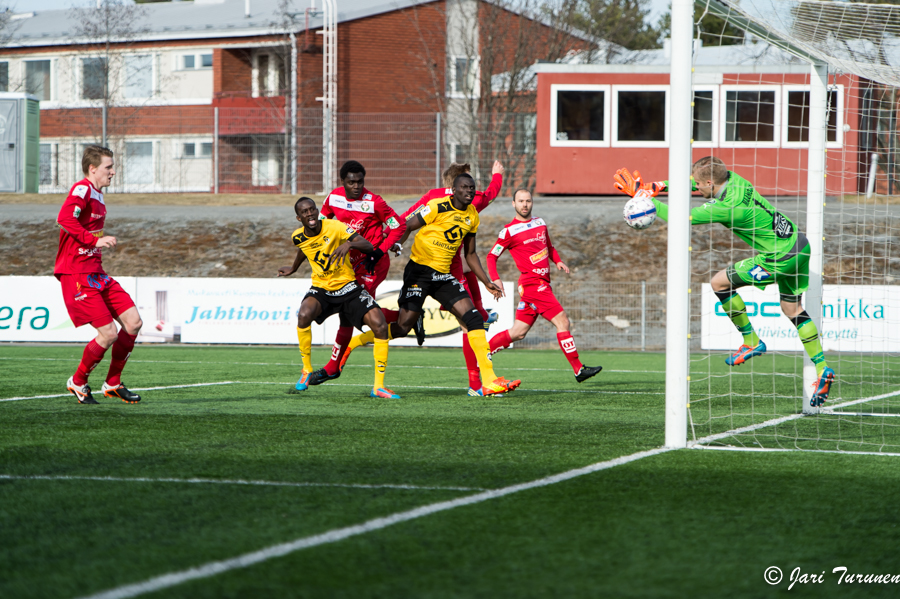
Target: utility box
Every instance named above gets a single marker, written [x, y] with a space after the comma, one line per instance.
[20, 132]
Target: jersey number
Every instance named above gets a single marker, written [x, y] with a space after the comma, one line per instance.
[321, 259]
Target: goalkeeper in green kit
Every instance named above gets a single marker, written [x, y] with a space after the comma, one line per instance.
[783, 256]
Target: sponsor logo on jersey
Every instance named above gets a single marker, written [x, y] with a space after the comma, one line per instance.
[344, 204]
[343, 290]
[364, 207]
[541, 237]
[453, 234]
[758, 273]
[535, 258]
[392, 222]
[97, 233]
[424, 210]
[325, 239]
[532, 224]
[568, 345]
[367, 196]
[543, 288]
[497, 250]
[350, 230]
[80, 191]
[468, 220]
[356, 224]
[89, 251]
[541, 271]
[77, 212]
[96, 215]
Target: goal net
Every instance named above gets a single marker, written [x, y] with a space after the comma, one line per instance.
[753, 83]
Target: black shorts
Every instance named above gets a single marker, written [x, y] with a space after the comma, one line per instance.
[352, 302]
[420, 281]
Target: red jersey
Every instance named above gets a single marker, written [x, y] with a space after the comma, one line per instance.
[482, 200]
[367, 216]
[531, 248]
[80, 220]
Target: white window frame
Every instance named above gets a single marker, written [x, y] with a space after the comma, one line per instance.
[452, 92]
[723, 99]
[54, 165]
[258, 160]
[24, 72]
[9, 74]
[154, 76]
[839, 121]
[179, 61]
[197, 141]
[577, 87]
[715, 117]
[614, 117]
[154, 165]
[79, 78]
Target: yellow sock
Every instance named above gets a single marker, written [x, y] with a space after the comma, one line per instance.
[360, 340]
[304, 337]
[478, 341]
[380, 352]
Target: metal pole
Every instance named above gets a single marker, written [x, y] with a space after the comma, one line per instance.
[437, 150]
[216, 150]
[815, 211]
[679, 259]
[293, 114]
[643, 315]
[103, 109]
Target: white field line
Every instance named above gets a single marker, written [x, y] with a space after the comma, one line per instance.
[215, 481]
[332, 536]
[132, 361]
[792, 450]
[135, 389]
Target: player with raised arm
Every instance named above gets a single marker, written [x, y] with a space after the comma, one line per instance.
[335, 289]
[458, 268]
[370, 216]
[91, 296]
[783, 256]
[528, 241]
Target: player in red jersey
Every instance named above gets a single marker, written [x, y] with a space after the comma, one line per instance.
[528, 240]
[458, 268]
[370, 216]
[91, 296]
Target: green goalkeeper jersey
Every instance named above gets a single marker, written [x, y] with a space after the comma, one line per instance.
[739, 207]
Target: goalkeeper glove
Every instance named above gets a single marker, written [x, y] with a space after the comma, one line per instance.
[631, 184]
[372, 260]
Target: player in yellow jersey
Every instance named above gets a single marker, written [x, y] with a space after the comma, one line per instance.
[446, 223]
[325, 244]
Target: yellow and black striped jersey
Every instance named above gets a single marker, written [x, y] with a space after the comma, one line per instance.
[445, 228]
[319, 248]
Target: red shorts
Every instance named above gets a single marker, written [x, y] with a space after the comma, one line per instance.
[93, 298]
[371, 281]
[537, 299]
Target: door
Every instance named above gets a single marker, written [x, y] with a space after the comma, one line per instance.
[9, 146]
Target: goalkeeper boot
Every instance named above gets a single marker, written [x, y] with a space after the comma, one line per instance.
[419, 328]
[303, 381]
[321, 375]
[744, 353]
[384, 394]
[81, 392]
[587, 372]
[120, 391]
[823, 386]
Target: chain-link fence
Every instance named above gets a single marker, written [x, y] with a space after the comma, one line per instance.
[248, 150]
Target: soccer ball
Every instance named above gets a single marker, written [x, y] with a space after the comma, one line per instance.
[639, 212]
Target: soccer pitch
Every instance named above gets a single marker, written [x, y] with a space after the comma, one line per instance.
[97, 498]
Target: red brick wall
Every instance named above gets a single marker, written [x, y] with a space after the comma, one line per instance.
[232, 71]
[148, 120]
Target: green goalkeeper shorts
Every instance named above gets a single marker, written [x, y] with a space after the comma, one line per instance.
[790, 272]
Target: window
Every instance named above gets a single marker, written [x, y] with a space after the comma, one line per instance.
[37, 79]
[194, 149]
[93, 78]
[206, 61]
[4, 76]
[641, 116]
[268, 161]
[47, 165]
[580, 115]
[750, 116]
[139, 76]
[269, 78]
[206, 149]
[703, 116]
[139, 163]
[262, 74]
[797, 116]
[190, 62]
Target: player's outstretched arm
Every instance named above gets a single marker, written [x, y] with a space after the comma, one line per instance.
[356, 242]
[286, 271]
[475, 264]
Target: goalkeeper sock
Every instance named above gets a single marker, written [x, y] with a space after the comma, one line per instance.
[475, 292]
[809, 335]
[304, 338]
[471, 364]
[734, 306]
[380, 351]
[344, 334]
[479, 343]
[93, 354]
[500, 341]
[567, 345]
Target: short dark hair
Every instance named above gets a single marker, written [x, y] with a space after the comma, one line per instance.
[463, 176]
[710, 168]
[453, 171]
[528, 191]
[93, 156]
[300, 201]
[352, 166]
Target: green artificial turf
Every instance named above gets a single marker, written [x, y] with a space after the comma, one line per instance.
[685, 523]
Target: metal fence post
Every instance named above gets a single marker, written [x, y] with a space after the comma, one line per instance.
[643, 315]
[437, 151]
[216, 150]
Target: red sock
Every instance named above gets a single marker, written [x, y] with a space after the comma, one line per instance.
[121, 349]
[390, 315]
[92, 355]
[567, 344]
[475, 292]
[500, 341]
[471, 364]
[344, 334]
